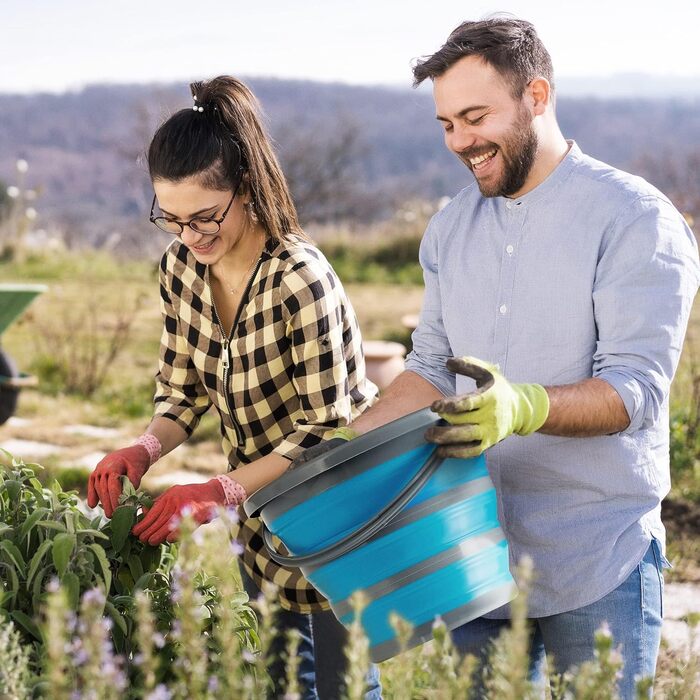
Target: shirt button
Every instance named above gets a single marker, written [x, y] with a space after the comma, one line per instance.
[509, 249]
[509, 204]
[503, 308]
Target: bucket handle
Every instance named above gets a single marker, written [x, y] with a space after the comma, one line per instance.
[366, 531]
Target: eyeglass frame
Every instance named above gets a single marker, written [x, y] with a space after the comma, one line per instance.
[182, 224]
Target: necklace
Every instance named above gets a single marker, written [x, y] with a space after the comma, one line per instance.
[244, 277]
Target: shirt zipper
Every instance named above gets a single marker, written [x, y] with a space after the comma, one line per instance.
[226, 346]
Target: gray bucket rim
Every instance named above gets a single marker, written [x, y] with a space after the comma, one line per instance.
[364, 444]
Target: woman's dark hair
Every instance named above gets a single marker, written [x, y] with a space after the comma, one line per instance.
[222, 143]
[510, 45]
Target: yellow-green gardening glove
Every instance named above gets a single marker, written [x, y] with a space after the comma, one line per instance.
[495, 410]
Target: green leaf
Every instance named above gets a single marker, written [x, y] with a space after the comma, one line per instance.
[144, 581]
[13, 489]
[127, 487]
[150, 557]
[93, 533]
[71, 585]
[135, 566]
[26, 622]
[123, 520]
[39, 580]
[63, 546]
[31, 521]
[15, 582]
[103, 563]
[116, 616]
[37, 559]
[52, 525]
[125, 579]
[14, 554]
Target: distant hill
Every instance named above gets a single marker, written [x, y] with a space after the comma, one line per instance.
[385, 146]
[631, 85]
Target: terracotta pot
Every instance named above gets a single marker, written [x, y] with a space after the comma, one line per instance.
[384, 361]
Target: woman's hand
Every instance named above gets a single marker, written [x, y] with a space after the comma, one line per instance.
[105, 483]
[160, 523]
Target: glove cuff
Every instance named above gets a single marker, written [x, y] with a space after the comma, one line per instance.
[534, 407]
[344, 433]
[152, 445]
[234, 493]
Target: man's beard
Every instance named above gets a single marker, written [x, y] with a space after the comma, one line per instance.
[518, 153]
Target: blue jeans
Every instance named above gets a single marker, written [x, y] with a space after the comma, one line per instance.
[633, 612]
[321, 653]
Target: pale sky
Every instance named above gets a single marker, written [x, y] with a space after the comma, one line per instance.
[64, 44]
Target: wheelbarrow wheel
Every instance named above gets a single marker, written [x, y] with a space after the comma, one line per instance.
[8, 394]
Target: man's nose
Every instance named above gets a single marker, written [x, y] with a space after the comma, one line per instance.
[461, 138]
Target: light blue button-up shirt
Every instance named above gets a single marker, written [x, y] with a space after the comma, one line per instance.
[591, 274]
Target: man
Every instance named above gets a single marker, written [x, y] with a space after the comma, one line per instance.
[556, 269]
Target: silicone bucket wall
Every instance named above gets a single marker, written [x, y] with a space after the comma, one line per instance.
[459, 584]
[323, 519]
[423, 563]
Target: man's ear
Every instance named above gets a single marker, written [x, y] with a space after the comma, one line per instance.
[539, 92]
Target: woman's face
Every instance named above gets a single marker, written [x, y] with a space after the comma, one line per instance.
[186, 199]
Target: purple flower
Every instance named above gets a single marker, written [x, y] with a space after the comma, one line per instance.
[232, 514]
[160, 692]
[94, 596]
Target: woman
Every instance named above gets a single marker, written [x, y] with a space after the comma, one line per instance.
[257, 324]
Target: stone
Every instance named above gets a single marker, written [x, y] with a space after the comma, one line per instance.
[30, 449]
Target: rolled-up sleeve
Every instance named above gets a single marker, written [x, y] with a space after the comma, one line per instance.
[313, 310]
[180, 395]
[646, 279]
[431, 347]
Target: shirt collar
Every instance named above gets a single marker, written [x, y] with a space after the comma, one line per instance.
[552, 181]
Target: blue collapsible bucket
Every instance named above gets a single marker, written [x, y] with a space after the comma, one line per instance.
[383, 514]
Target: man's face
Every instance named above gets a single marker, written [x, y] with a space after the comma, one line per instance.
[491, 132]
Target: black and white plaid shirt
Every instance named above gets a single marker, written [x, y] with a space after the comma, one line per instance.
[292, 371]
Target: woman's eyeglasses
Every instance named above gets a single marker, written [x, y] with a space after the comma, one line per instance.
[204, 225]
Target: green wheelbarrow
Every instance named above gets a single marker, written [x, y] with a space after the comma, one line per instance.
[14, 299]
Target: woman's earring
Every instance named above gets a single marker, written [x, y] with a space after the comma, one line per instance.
[250, 209]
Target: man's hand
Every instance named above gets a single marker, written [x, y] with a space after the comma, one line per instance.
[160, 523]
[495, 410]
[105, 483]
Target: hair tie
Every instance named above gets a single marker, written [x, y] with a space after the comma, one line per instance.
[195, 107]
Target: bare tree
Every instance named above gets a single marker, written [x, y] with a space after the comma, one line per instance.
[322, 161]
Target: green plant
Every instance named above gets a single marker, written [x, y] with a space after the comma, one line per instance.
[14, 669]
[77, 347]
[392, 260]
[46, 537]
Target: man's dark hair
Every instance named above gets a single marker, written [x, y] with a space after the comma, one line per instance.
[510, 45]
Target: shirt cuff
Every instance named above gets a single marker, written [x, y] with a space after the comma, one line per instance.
[442, 381]
[632, 397]
[185, 416]
[300, 440]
